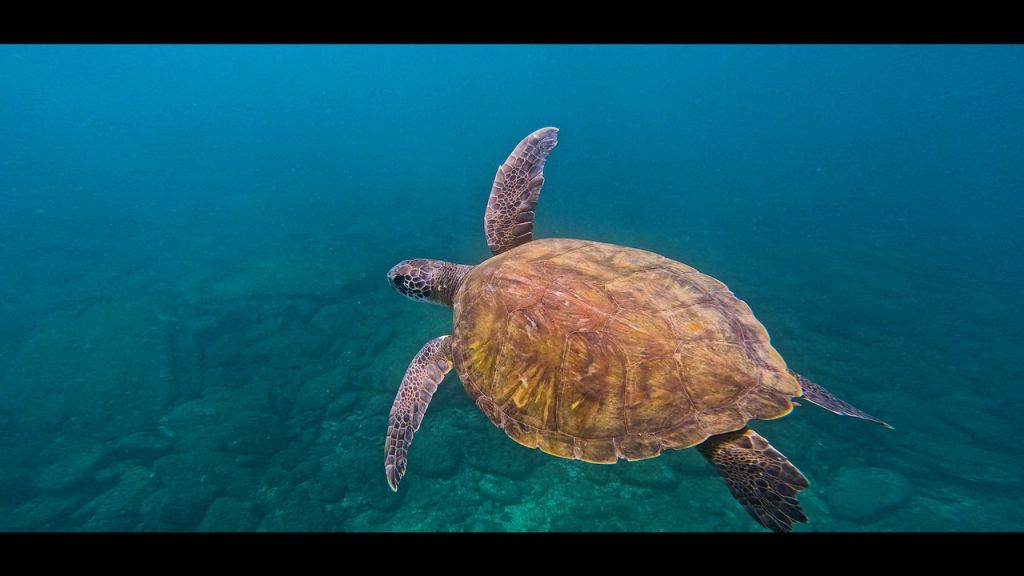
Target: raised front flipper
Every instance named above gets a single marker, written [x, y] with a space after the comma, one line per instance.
[759, 476]
[426, 371]
[818, 395]
[508, 221]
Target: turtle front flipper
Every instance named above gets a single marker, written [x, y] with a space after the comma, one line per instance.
[425, 372]
[818, 395]
[759, 476]
[508, 221]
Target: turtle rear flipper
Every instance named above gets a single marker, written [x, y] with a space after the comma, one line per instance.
[759, 476]
[818, 395]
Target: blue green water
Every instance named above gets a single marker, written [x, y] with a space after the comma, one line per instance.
[196, 334]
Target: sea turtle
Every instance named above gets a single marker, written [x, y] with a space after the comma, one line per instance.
[598, 352]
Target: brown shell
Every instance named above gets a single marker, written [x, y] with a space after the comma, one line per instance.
[598, 352]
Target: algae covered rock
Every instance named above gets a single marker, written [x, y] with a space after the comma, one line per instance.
[47, 512]
[956, 458]
[981, 418]
[173, 509]
[229, 515]
[293, 509]
[195, 471]
[493, 456]
[205, 424]
[342, 405]
[438, 453]
[69, 462]
[102, 372]
[501, 490]
[860, 494]
[119, 508]
[333, 318]
[316, 394]
[653, 473]
[146, 445]
[333, 480]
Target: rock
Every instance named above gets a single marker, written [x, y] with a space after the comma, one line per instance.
[358, 465]
[330, 433]
[114, 472]
[954, 456]
[485, 525]
[979, 417]
[275, 477]
[446, 518]
[194, 471]
[187, 423]
[229, 515]
[294, 510]
[383, 499]
[564, 523]
[253, 433]
[315, 394]
[469, 496]
[281, 268]
[430, 496]
[598, 511]
[308, 436]
[652, 473]
[16, 483]
[342, 405]
[436, 454]
[47, 512]
[494, 453]
[331, 482]
[70, 462]
[168, 509]
[291, 346]
[380, 404]
[305, 471]
[687, 463]
[501, 490]
[312, 401]
[334, 318]
[145, 446]
[860, 494]
[324, 489]
[374, 518]
[203, 425]
[254, 396]
[470, 420]
[118, 508]
[102, 371]
[296, 454]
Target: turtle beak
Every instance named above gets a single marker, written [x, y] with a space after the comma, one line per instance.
[394, 277]
[398, 278]
[412, 278]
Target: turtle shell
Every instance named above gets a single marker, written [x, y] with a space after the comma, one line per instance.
[598, 352]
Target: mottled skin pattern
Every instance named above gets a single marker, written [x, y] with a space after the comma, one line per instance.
[599, 352]
[426, 280]
[426, 371]
[761, 478]
[508, 221]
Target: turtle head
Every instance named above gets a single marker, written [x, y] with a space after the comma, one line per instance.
[423, 279]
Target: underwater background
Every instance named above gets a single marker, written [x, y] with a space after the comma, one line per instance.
[196, 332]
